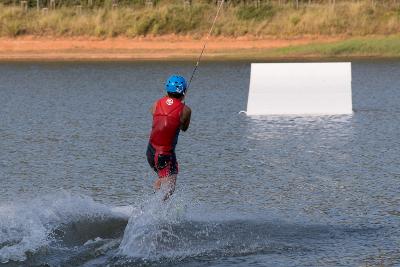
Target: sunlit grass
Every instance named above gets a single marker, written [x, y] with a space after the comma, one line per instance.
[283, 21]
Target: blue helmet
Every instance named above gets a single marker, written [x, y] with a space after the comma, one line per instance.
[176, 84]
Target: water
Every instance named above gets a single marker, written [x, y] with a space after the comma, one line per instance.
[264, 191]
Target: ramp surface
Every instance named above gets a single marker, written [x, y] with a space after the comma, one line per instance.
[300, 88]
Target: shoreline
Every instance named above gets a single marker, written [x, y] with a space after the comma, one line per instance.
[32, 48]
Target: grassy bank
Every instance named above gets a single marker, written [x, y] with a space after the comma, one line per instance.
[346, 18]
[354, 47]
[188, 49]
[358, 47]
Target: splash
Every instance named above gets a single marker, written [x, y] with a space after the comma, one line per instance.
[150, 233]
[25, 228]
[180, 231]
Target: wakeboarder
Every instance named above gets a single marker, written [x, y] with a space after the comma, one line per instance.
[170, 115]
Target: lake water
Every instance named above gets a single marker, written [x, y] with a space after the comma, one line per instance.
[75, 187]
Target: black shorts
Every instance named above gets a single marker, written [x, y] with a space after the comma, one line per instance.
[163, 164]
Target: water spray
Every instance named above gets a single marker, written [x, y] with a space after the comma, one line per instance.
[205, 43]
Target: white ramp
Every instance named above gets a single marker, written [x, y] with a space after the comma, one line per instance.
[300, 88]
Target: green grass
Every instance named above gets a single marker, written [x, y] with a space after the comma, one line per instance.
[371, 46]
[368, 46]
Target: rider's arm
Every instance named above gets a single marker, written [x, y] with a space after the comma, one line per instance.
[153, 108]
[185, 118]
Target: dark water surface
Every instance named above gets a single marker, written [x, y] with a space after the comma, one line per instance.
[263, 191]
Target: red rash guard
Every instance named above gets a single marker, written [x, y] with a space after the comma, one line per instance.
[166, 124]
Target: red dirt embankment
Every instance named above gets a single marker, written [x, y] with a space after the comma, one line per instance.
[147, 48]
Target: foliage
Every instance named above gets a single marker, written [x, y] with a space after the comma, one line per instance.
[256, 13]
